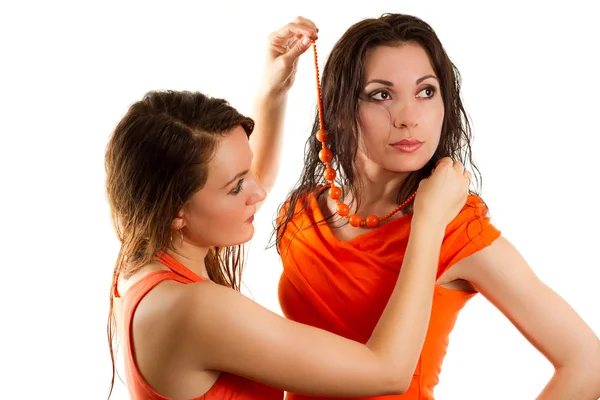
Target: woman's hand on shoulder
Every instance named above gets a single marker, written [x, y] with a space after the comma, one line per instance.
[441, 196]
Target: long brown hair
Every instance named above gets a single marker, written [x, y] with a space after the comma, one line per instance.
[156, 159]
[342, 81]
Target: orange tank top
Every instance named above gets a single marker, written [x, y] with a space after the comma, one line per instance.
[343, 286]
[227, 386]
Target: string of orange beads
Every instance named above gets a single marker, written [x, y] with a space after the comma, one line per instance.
[325, 155]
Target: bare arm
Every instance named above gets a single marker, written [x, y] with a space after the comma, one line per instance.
[267, 139]
[257, 344]
[285, 46]
[501, 274]
[228, 332]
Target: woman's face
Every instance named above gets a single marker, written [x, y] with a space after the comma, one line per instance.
[401, 111]
[222, 212]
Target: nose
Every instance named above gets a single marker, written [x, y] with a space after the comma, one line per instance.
[258, 193]
[405, 116]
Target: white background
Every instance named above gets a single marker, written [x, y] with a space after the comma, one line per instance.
[69, 72]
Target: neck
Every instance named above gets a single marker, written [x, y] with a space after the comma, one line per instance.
[191, 256]
[378, 187]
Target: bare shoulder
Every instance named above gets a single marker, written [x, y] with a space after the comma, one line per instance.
[170, 309]
[168, 354]
[207, 303]
[160, 326]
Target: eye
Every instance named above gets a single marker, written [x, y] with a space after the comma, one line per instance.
[427, 93]
[381, 96]
[238, 188]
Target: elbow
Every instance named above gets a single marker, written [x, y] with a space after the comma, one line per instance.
[594, 387]
[592, 368]
[400, 387]
[595, 375]
[584, 373]
[396, 375]
[397, 383]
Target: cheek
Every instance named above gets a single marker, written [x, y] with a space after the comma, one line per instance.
[372, 118]
[217, 223]
[228, 211]
[210, 213]
[434, 121]
[438, 114]
[228, 226]
[374, 125]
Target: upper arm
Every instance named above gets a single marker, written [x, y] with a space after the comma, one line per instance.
[229, 332]
[501, 274]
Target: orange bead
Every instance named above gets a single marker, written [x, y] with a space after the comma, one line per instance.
[343, 209]
[335, 193]
[325, 155]
[372, 221]
[329, 174]
[322, 135]
[355, 220]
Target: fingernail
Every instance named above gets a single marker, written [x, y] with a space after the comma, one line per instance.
[305, 41]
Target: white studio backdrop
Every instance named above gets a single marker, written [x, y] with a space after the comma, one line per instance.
[70, 70]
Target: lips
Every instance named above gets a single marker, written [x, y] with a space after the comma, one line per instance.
[407, 145]
[250, 220]
[407, 142]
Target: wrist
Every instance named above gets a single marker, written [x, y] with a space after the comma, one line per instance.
[271, 93]
[428, 226]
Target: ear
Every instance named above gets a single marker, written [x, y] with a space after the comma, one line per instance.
[178, 222]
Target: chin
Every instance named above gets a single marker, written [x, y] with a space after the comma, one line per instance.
[406, 166]
[241, 237]
[250, 234]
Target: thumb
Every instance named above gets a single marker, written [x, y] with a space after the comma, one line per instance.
[298, 49]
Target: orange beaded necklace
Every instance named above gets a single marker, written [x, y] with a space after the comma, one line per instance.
[325, 155]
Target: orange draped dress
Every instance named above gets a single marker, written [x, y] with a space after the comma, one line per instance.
[343, 287]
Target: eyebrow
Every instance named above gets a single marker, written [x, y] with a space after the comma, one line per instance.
[236, 177]
[383, 82]
[427, 77]
[389, 83]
